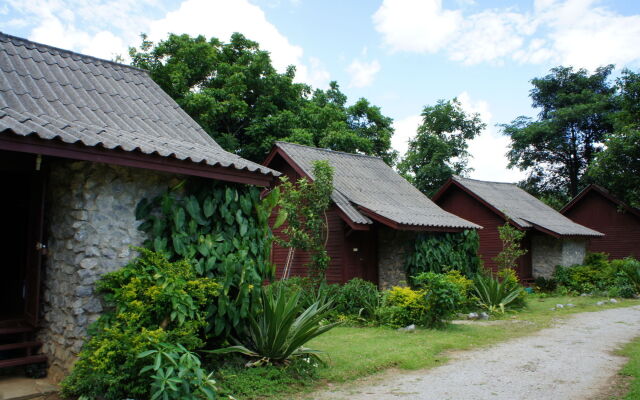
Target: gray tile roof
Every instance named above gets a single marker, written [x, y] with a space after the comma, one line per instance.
[523, 208]
[366, 181]
[57, 94]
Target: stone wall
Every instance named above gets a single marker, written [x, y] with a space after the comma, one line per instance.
[91, 228]
[548, 252]
[393, 248]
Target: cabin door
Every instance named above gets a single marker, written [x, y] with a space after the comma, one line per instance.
[35, 248]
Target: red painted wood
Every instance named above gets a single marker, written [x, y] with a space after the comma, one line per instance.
[14, 362]
[460, 203]
[345, 264]
[621, 228]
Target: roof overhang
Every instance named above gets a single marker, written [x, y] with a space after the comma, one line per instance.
[57, 148]
[406, 227]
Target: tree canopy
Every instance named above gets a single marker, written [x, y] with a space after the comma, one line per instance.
[557, 148]
[233, 91]
[439, 148]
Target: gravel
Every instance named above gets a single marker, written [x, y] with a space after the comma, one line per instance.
[572, 360]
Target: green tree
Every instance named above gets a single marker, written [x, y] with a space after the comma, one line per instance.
[557, 147]
[439, 149]
[303, 205]
[511, 249]
[617, 167]
[233, 91]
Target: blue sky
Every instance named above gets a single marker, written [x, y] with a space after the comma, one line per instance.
[399, 54]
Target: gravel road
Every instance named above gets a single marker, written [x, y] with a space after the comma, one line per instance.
[572, 360]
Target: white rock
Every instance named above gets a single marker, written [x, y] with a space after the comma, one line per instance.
[473, 316]
[601, 303]
[559, 306]
[613, 301]
[570, 305]
[484, 315]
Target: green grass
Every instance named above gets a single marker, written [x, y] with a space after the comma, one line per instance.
[354, 353]
[632, 369]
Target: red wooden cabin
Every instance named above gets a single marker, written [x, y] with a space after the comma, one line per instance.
[598, 209]
[551, 239]
[372, 217]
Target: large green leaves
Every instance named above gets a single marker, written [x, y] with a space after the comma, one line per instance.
[494, 295]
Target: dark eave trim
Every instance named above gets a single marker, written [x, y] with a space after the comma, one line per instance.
[57, 148]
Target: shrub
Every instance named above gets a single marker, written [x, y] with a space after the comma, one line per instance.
[631, 271]
[465, 286]
[177, 374]
[150, 301]
[545, 285]
[494, 295]
[442, 295]
[509, 279]
[442, 252]
[280, 331]
[402, 306]
[599, 275]
[357, 297]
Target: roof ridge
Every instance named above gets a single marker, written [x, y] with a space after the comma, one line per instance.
[18, 41]
[457, 177]
[329, 150]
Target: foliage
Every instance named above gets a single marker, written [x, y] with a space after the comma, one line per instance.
[280, 331]
[631, 270]
[442, 294]
[545, 285]
[599, 275]
[304, 205]
[177, 374]
[511, 250]
[150, 301]
[308, 290]
[357, 297]
[233, 91]
[402, 306]
[509, 279]
[493, 295]
[465, 286]
[442, 252]
[266, 380]
[439, 148]
[224, 230]
[557, 148]
[617, 167]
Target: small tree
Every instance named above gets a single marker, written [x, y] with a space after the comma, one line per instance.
[511, 250]
[303, 206]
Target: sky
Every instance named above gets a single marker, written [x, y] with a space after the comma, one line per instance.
[399, 54]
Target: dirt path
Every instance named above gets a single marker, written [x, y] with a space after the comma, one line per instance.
[572, 360]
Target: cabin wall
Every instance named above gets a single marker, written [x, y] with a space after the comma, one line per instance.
[460, 203]
[91, 228]
[621, 228]
[548, 252]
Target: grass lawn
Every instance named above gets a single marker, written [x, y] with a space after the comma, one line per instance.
[354, 353]
[632, 369]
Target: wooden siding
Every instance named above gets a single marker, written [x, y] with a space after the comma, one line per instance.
[460, 203]
[621, 229]
[345, 263]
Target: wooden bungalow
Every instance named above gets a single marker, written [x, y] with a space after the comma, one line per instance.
[598, 209]
[551, 239]
[82, 141]
[373, 217]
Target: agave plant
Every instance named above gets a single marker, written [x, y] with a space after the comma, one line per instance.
[494, 295]
[279, 333]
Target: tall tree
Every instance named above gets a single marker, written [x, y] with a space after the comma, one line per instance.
[557, 147]
[233, 91]
[617, 167]
[439, 148]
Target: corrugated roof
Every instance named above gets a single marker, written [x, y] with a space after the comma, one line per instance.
[57, 94]
[368, 182]
[523, 208]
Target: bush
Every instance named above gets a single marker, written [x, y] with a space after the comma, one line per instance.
[509, 279]
[545, 285]
[494, 295]
[465, 286]
[150, 301]
[402, 306]
[442, 295]
[280, 331]
[599, 275]
[357, 297]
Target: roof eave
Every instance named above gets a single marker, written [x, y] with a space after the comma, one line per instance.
[56, 148]
[406, 227]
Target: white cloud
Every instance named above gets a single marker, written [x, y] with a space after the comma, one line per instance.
[488, 150]
[405, 129]
[571, 32]
[362, 73]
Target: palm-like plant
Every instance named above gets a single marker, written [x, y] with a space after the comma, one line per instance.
[279, 333]
[494, 295]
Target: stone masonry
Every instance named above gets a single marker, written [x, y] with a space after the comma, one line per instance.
[393, 248]
[91, 230]
[548, 252]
